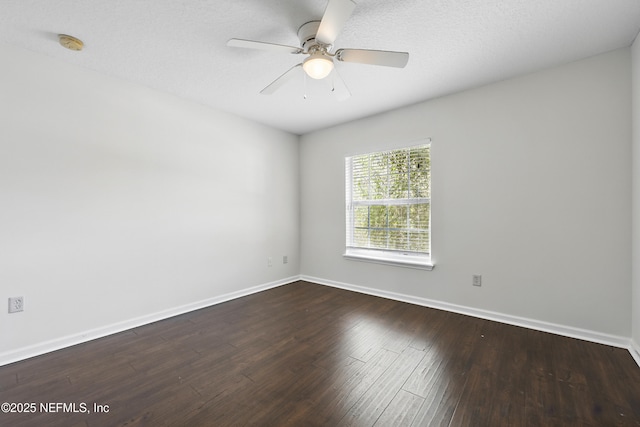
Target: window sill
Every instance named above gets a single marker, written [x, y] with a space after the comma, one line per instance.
[398, 260]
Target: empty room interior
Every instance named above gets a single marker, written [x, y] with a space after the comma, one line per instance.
[195, 228]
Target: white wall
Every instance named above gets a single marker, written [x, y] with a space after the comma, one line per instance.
[636, 197]
[118, 202]
[531, 184]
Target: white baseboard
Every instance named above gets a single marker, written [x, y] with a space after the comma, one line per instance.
[634, 349]
[568, 331]
[70, 340]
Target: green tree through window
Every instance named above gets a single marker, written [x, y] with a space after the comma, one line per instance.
[388, 201]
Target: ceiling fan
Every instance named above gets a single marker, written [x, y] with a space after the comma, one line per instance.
[316, 41]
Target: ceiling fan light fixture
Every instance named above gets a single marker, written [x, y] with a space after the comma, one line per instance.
[318, 66]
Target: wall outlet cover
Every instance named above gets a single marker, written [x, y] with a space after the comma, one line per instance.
[16, 304]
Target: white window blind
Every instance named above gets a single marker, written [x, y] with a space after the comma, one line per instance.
[388, 205]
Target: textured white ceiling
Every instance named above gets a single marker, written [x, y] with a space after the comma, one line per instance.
[178, 46]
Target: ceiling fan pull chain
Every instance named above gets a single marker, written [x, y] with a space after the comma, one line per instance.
[304, 76]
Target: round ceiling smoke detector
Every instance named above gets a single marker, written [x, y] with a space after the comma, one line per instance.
[70, 42]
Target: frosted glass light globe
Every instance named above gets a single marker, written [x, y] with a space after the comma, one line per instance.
[317, 66]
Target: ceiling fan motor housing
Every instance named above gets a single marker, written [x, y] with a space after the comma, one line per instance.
[307, 35]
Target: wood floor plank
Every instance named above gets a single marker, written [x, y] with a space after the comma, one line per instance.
[310, 355]
[402, 410]
[373, 402]
[346, 390]
[443, 374]
[441, 402]
[495, 389]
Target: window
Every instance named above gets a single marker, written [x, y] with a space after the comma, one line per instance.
[388, 207]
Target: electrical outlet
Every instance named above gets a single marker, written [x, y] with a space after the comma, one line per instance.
[476, 280]
[269, 262]
[285, 259]
[16, 304]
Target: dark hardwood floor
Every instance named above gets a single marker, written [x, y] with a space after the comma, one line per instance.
[310, 355]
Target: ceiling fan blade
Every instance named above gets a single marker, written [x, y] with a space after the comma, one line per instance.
[281, 81]
[335, 16]
[251, 44]
[373, 57]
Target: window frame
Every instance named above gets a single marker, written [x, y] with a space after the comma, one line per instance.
[420, 260]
